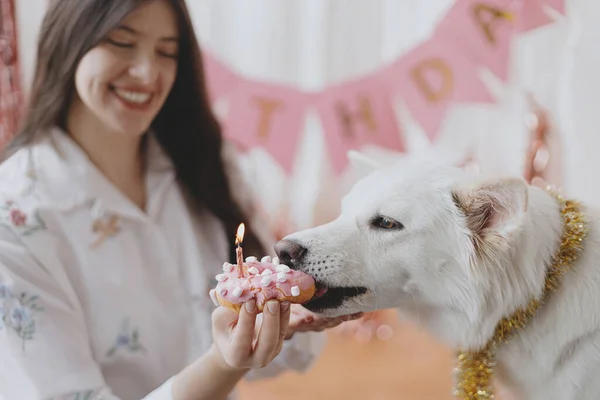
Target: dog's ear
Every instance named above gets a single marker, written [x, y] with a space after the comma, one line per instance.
[495, 206]
[361, 163]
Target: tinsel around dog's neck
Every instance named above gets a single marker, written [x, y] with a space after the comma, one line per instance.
[475, 369]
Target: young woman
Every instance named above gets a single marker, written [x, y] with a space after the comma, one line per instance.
[118, 205]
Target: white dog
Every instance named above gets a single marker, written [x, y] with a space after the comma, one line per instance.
[457, 254]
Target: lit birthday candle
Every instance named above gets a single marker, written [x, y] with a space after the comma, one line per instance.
[239, 237]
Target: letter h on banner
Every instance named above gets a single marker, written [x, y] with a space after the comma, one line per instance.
[355, 115]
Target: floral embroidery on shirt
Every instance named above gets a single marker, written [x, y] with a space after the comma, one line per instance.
[17, 313]
[104, 228]
[105, 224]
[14, 216]
[29, 190]
[128, 338]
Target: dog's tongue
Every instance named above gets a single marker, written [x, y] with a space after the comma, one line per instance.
[318, 293]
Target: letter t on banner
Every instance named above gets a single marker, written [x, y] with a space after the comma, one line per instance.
[268, 116]
[357, 114]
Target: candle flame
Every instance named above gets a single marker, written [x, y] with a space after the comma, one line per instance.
[239, 237]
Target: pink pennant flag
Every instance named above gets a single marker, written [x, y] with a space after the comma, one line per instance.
[431, 77]
[357, 114]
[534, 16]
[558, 5]
[483, 30]
[220, 80]
[267, 115]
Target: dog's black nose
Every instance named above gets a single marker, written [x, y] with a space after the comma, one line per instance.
[290, 252]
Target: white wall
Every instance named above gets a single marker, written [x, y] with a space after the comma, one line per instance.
[29, 18]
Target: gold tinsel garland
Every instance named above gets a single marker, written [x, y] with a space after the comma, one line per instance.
[475, 368]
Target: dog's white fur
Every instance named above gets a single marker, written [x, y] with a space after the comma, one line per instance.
[434, 271]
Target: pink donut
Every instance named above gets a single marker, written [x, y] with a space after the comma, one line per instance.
[262, 280]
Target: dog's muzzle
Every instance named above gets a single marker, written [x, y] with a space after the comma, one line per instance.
[290, 253]
[293, 254]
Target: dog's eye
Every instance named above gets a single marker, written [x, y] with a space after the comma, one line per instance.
[386, 223]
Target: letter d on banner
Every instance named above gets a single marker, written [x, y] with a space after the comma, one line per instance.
[430, 78]
[439, 68]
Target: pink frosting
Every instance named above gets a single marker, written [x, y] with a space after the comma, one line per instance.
[261, 286]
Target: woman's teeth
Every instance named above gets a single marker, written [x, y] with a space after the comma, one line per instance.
[133, 97]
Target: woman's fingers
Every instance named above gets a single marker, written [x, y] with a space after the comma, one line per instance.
[213, 296]
[284, 323]
[237, 337]
[269, 335]
[284, 320]
[243, 336]
[223, 321]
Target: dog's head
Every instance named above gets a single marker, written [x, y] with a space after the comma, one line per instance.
[412, 236]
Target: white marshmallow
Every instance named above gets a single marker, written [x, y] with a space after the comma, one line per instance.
[213, 297]
[266, 272]
[253, 270]
[266, 259]
[281, 277]
[251, 259]
[265, 281]
[221, 278]
[223, 292]
[227, 267]
[276, 260]
[282, 268]
[237, 292]
[295, 291]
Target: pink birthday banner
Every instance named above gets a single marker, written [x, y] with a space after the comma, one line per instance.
[430, 78]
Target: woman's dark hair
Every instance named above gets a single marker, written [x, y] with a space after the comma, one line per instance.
[185, 127]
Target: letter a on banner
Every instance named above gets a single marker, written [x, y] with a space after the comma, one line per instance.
[482, 31]
[268, 116]
[354, 115]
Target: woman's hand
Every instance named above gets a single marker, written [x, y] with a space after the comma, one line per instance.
[241, 344]
[236, 349]
[302, 320]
